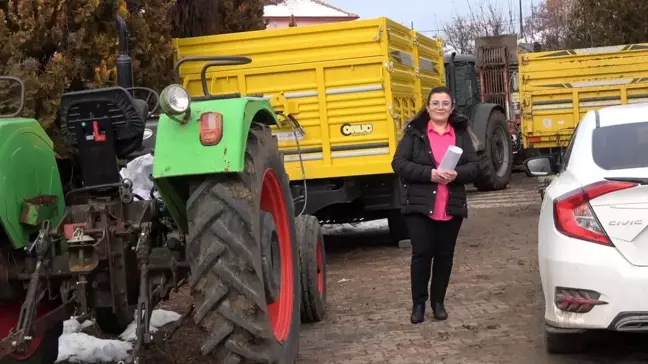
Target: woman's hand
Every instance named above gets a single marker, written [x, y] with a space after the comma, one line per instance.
[448, 176]
[443, 177]
[437, 177]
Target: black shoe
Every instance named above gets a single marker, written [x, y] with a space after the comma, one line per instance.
[418, 313]
[439, 311]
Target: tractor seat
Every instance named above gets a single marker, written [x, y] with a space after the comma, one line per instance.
[102, 125]
[114, 107]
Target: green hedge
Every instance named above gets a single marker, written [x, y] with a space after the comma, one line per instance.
[57, 46]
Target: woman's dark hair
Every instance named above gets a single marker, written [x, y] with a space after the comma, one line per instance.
[440, 90]
[423, 113]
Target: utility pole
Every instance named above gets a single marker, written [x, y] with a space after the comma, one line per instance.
[521, 21]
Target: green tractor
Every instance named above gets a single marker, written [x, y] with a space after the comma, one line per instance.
[220, 218]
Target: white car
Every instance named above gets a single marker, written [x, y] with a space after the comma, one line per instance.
[592, 236]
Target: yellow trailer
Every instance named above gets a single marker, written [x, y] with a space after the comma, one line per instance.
[350, 85]
[557, 88]
[346, 90]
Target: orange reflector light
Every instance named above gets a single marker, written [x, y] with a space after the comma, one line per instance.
[211, 128]
[534, 139]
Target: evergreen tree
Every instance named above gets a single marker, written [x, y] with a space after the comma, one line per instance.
[58, 46]
[193, 18]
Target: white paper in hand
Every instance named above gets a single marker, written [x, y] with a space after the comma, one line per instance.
[450, 159]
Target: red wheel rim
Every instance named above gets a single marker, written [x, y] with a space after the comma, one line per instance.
[273, 202]
[320, 268]
[9, 320]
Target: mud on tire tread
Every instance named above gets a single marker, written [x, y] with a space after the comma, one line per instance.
[309, 234]
[488, 179]
[224, 255]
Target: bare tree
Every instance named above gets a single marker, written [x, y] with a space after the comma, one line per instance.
[485, 19]
[459, 35]
[550, 24]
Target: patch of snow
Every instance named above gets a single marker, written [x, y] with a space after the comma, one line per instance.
[159, 318]
[356, 228]
[76, 346]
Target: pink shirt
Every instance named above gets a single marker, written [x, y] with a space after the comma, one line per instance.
[439, 143]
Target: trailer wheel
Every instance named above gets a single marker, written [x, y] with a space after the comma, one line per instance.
[313, 268]
[496, 160]
[43, 348]
[248, 307]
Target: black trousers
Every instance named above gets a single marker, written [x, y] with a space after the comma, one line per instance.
[431, 239]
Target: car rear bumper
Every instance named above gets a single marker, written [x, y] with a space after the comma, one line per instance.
[571, 263]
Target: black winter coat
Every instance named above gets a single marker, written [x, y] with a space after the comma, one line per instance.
[413, 163]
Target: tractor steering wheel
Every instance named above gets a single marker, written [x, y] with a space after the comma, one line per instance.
[149, 92]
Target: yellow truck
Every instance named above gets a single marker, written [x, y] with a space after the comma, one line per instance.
[557, 88]
[346, 90]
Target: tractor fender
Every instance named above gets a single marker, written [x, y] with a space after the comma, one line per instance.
[479, 121]
[30, 185]
[178, 151]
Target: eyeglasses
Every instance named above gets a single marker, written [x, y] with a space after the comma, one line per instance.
[436, 103]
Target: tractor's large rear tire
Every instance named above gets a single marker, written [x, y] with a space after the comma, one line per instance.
[313, 268]
[246, 301]
[43, 349]
[496, 160]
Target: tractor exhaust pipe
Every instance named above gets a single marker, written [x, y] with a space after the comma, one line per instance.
[124, 62]
[452, 80]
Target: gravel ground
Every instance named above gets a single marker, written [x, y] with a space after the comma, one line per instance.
[494, 299]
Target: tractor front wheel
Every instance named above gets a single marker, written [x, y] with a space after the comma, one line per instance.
[243, 254]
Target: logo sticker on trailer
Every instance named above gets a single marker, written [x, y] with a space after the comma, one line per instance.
[355, 130]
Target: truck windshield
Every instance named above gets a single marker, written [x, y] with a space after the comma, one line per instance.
[621, 146]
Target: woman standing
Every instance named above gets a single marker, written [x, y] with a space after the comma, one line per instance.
[433, 201]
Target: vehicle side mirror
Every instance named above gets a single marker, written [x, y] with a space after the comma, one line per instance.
[539, 166]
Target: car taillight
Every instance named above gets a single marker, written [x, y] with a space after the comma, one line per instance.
[211, 128]
[574, 217]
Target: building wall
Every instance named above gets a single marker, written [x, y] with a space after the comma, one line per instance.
[274, 23]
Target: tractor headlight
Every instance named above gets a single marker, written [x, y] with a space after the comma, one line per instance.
[174, 100]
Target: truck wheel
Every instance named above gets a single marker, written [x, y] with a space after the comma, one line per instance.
[43, 348]
[249, 309]
[113, 323]
[313, 268]
[496, 160]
